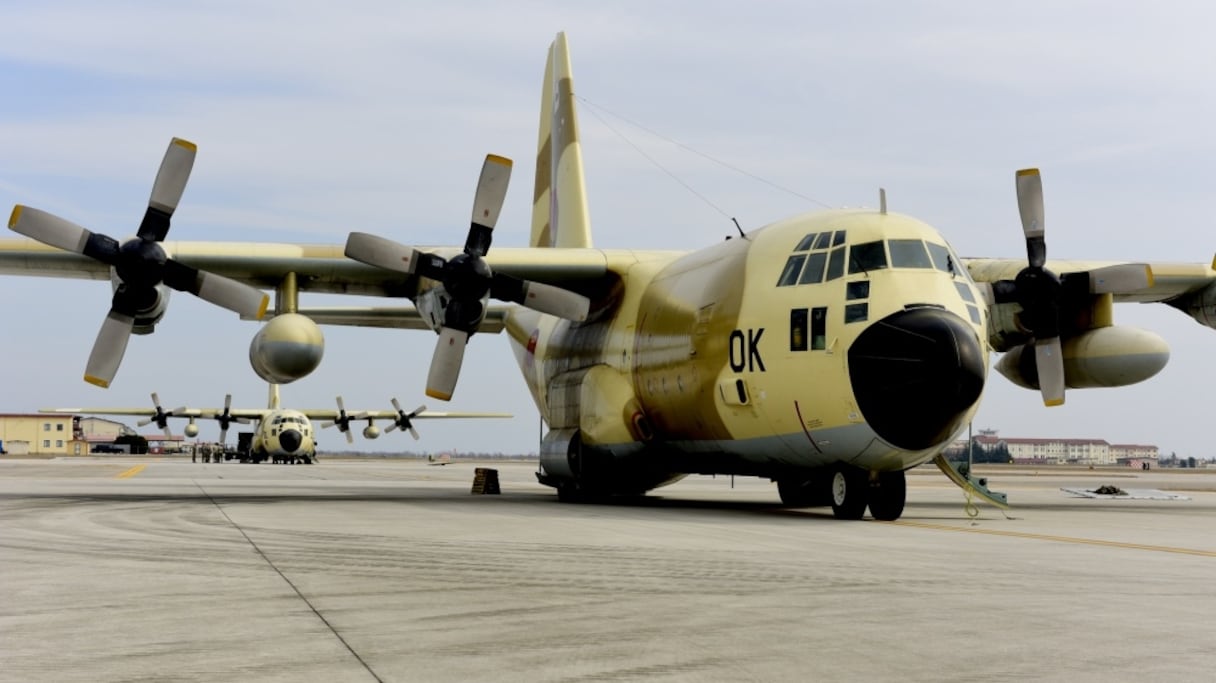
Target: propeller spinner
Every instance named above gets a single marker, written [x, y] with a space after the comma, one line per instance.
[467, 279]
[1043, 295]
[404, 419]
[161, 416]
[225, 418]
[140, 263]
[342, 419]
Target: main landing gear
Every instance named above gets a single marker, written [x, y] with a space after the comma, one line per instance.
[853, 489]
[849, 490]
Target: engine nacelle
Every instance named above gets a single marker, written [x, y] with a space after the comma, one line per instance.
[433, 304]
[287, 348]
[1105, 357]
[1201, 305]
[371, 432]
[146, 318]
[191, 430]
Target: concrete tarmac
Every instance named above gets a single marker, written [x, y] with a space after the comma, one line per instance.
[125, 569]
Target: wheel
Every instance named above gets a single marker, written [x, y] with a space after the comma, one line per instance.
[887, 494]
[850, 487]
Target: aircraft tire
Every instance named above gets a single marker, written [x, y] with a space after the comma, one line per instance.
[850, 489]
[887, 495]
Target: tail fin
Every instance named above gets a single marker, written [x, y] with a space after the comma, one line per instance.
[559, 209]
[272, 400]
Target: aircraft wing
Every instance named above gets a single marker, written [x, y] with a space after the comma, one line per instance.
[319, 268]
[398, 317]
[328, 414]
[201, 413]
[1170, 281]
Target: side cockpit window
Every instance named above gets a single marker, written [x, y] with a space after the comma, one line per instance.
[816, 255]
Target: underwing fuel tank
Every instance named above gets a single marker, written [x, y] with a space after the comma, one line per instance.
[287, 348]
[1105, 357]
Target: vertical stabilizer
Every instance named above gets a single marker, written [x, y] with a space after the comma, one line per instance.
[559, 210]
[272, 401]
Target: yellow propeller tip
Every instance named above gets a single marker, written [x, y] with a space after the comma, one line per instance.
[185, 144]
[433, 393]
[263, 307]
[1053, 402]
[97, 381]
[16, 216]
[499, 160]
[1028, 171]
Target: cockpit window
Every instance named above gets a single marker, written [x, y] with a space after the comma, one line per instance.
[813, 272]
[803, 268]
[793, 267]
[941, 258]
[909, 254]
[836, 262]
[866, 257]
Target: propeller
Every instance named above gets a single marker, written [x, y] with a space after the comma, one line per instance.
[467, 278]
[225, 418]
[403, 420]
[1043, 295]
[342, 419]
[140, 263]
[161, 416]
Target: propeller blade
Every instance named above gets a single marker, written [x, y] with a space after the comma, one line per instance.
[1049, 360]
[413, 432]
[382, 253]
[544, 298]
[223, 435]
[1121, 278]
[350, 438]
[1030, 206]
[48, 229]
[487, 203]
[445, 363]
[108, 349]
[232, 295]
[168, 188]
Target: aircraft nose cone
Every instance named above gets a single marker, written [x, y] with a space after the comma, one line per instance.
[290, 440]
[915, 374]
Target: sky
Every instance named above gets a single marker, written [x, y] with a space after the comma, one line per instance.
[317, 119]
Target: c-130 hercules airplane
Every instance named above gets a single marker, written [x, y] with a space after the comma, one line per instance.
[829, 352]
[280, 434]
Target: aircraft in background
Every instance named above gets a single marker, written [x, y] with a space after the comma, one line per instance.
[280, 434]
[829, 352]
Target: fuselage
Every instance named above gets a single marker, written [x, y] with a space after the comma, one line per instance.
[837, 337]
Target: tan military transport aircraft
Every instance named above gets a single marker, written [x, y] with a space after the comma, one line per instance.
[829, 352]
[281, 434]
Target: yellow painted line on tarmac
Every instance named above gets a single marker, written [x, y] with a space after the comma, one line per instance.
[131, 472]
[1061, 539]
